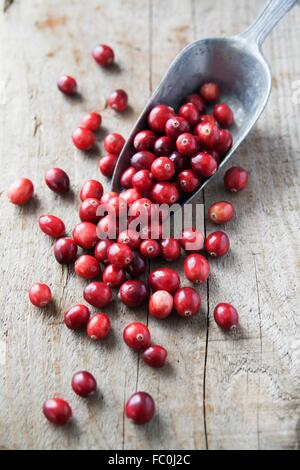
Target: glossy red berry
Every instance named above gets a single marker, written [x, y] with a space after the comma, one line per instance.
[52, 226]
[144, 140]
[162, 169]
[116, 206]
[108, 196]
[137, 336]
[57, 180]
[190, 113]
[175, 126]
[170, 249]
[217, 243]
[87, 266]
[88, 210]
[126, 177]
[160, 304]
[65, 250]
[223, 114]
[118, 100]
[197, 101]
[83, 383]
[221, 212]
[180, 162]
[92, 121]
[204, 164]
[192, 239]
[141, 207]
[163, 146]
[224, 143]
[208, 118]
[208, 134]
[107, 164]
[165, 193]
[103, 55]
[113, 276]
[91, 189]
[142, 160]
[196, 268]
[133, 293]
[77, 317]
[155, 356]
[107, 227]
[113, 143]
[158, 117]
[67, 85]
[226, 316]
[187, 144]
[164, 279]
[187, 302]
[21, 191]
[57, 411]
[210, 92]
[40, 294]
[137, 266]
[97, 294]
[188, 181]
[83, 138]
[130, 238]
[142, 181]
[236, 179]
[140, 408]
[98, 326]
[119, 254]
[85, 235]
[149, 248]
[101, 250]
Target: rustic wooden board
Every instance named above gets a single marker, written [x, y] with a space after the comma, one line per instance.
[218, 391]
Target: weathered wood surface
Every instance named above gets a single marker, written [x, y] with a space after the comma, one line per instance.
[219, 391]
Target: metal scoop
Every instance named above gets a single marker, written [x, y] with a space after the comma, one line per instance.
[235, 63]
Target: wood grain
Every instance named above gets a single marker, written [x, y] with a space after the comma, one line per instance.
[218, 391]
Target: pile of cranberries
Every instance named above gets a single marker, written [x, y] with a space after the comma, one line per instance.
[171, 158]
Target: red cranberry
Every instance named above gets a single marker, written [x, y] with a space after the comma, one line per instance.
[113, 276]
[204, 164]
[189, 112]
[137, 266]
[216, 156]
[188, 181]
[221, 212]
[83, 138]
[97, 294]
[87, 266]
[106, 227]
[158, 117]
[21, 191]
[113, 143]
[192, 239]
[149, 248]
[65, 250]
[130, 238]
[170, 249]
[92, 121]
[84, 383]
[226, 316]
[165, 193]
[142, 160]
[118, 100]
[91, 189]
[137, 336]
[208, 118]
[77, 317]
[67, 85]
[40, 295]
[52, 226]
[187, 144]
[98, 326]
[107, 164]
[160, 304]
[187, 302]
[85, 235]
[144, 140]
[210, 92]
[133, 293]
[155, 356]
[223, 114]
[108, 196]
[57, 411]
[101, 250]
[224, 143]
[164, 279]
[140, 408]
[163, 146]
[236, 179]
[103, 55]
[140, 207]
[163, 169]
[179, 161]
[217, 243]
[126, 177]
[88, 210]
[142, 181]
[119, 255]
[197, 101]
[208, 134]
[175, 126]
[116, 206]
[57, 180]
[196, 268]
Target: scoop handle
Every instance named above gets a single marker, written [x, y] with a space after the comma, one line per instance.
[267, 20]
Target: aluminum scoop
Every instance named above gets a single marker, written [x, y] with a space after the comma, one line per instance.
[235, 63]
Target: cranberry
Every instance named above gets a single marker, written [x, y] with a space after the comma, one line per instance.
[116, 206]
[137, 266]
[130, 196]
[88, 210]
[103, 55]
[77, 317]
[67, 85]
[113, 276]
[91, 188]
[223, 114]
[221, 212]
[163, 169]
[98, 326]
[188, 181]
[65, 250]
[163, 146]
[196, 268]
[164, 279]
[236, 179]
[83, 138]
[208, 134]
[158, 117]
[208, 118]
[87, 266]
[217, 243]
[144, 140]
[107, 164]
[170, 249]
[130, 238]
[119, 255]
[108, 196]
[187, 302]
[40, 295]
[187, 144]
[160, 304]
[216, 156]
[107, 228]
[155, 356]
[92, 121]
[179, 161]
[113, 143]
[57, 410]
[190, 113]
[84, 383]
[85, 235]
[142, 181]
[224, 143]
[210, 92]
[97, 294]
[226, 316]
[197, 101]
[175, 126]
[140, 207]
[21, 191]
[126, 177]
[140, 408]
[118, 100]
[142, 160]
[133, 293]
[204, 164]
[149, 248]
[192, 239]
[101, 250]
[52, 225]
[57, 180]
[165, 193]
[137, 336]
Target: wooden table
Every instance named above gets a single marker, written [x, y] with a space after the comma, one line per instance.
[218, 391]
